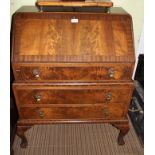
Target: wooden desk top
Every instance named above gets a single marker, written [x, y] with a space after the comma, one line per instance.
[75, 3]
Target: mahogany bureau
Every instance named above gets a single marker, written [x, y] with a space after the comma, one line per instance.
[72, 67]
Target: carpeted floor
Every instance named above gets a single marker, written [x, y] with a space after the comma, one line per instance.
[77, 139]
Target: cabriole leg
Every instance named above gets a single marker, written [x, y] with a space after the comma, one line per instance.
[124, 128]
[21, 133]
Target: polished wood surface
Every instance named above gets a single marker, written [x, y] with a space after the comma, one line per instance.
[34, 9]
[106, 94]
[52, 37]
[72, 67]
[75, 3]
[81, 72]
[93, 112]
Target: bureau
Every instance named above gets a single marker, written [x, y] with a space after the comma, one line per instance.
[72, 66]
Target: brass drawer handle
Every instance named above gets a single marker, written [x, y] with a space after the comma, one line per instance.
[106, 112]
[41, 114]
[36, 73]
[111, 73]
[109, 96]
[37, 98]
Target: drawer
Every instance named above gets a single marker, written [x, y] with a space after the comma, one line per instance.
[81, 112]
[73, 72]
[104, 93]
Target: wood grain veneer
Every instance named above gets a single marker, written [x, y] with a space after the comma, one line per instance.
[72, 67]
[75, 3]
[75, 94]
[86, 41]
[73, 72]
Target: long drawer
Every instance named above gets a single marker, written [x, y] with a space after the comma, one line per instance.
[78, 112]
[72, 72]
[72, 93]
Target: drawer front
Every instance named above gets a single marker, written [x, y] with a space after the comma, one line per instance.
[70, 72]
[83, 112]
[73, 94]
